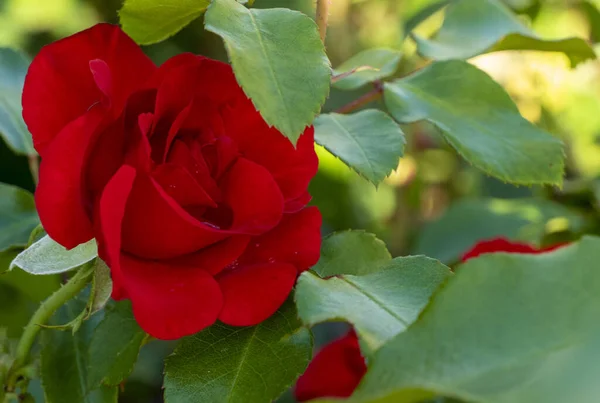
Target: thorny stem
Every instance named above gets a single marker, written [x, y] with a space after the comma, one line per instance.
[41, 317]
[322, 16]
[363, 100]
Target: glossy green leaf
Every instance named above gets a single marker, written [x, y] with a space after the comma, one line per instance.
[151, 21]
[459, 228]
[239, 364]
[370, 65]
[474, 27]
[506, 328]
[13, 67]
[48, 257]
[64, 361]
[369, 141]
[351, 252]
[114, 346]
[379, 305]
[18, 216]
[478, 118]
[278, 59]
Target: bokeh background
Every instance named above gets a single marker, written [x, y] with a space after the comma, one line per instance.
[435, 203]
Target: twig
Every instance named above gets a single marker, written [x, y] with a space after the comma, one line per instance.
[322, 16]
[34, 168]
[363, 100]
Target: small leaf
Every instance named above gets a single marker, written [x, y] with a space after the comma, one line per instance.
[415, 19]
[369, 141]
[101, 287]
[278, 59]
[13, 67]
[379, 305]
[239, 364]
[351, 252]
[474, 27]
[48, 257]
[478, 118]
[380, 63]
[18, 216]
[505, 328]
[114, 346]
[151, 21]
[64, 361]
[459, 228]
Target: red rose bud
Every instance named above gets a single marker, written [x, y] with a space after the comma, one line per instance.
[334, 372]
[197, 205]
[504, 245]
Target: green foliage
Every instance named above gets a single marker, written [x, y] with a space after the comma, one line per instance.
[351, 252]
[278, 59]
[369, 141]
[18, 216]
[368, 66]
[114, 346]
[151, 21]
[448, 237]
[48, 257]
[65, 366]
[478, 118]
[379, 305]
[505, 328]
[475, 27]
[239, 364]
[101, 287]
[13, 67]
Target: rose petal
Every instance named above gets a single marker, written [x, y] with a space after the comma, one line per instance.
[181, 154]
[251, 192]
[60, 195]
[156, 227]
[297, 204]
[253, 293]
[178, 183]
[169, 301]
[60, 86]
[334, 372]
[292, 168]
[296, 240]
[215, 258]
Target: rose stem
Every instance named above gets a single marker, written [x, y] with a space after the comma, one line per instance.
[322, 16]
[34, 167]
[41, 317]
[363, 100]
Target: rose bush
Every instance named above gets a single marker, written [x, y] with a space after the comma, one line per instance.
[197, 205]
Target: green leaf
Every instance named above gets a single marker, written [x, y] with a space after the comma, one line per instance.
[278, 59]
[459, 228]
[421, 15]
[351, 252]
[64, 361]
[18, 216]
[478, 118]
[114, 346]
[48, 257]
[369, 141]
[101, 287]
[151, 21]
[239, 364]
[377, 63]
[505, 328]
[379, 305]
[13, 67]
[474, 27]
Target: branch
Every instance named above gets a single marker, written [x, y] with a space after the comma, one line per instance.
[322, 16]
[363, 100]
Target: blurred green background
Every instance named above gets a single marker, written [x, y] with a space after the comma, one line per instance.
[434, 203]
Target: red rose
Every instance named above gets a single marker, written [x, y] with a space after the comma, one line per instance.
[197, 205]
[334, 372]
[504, 245]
